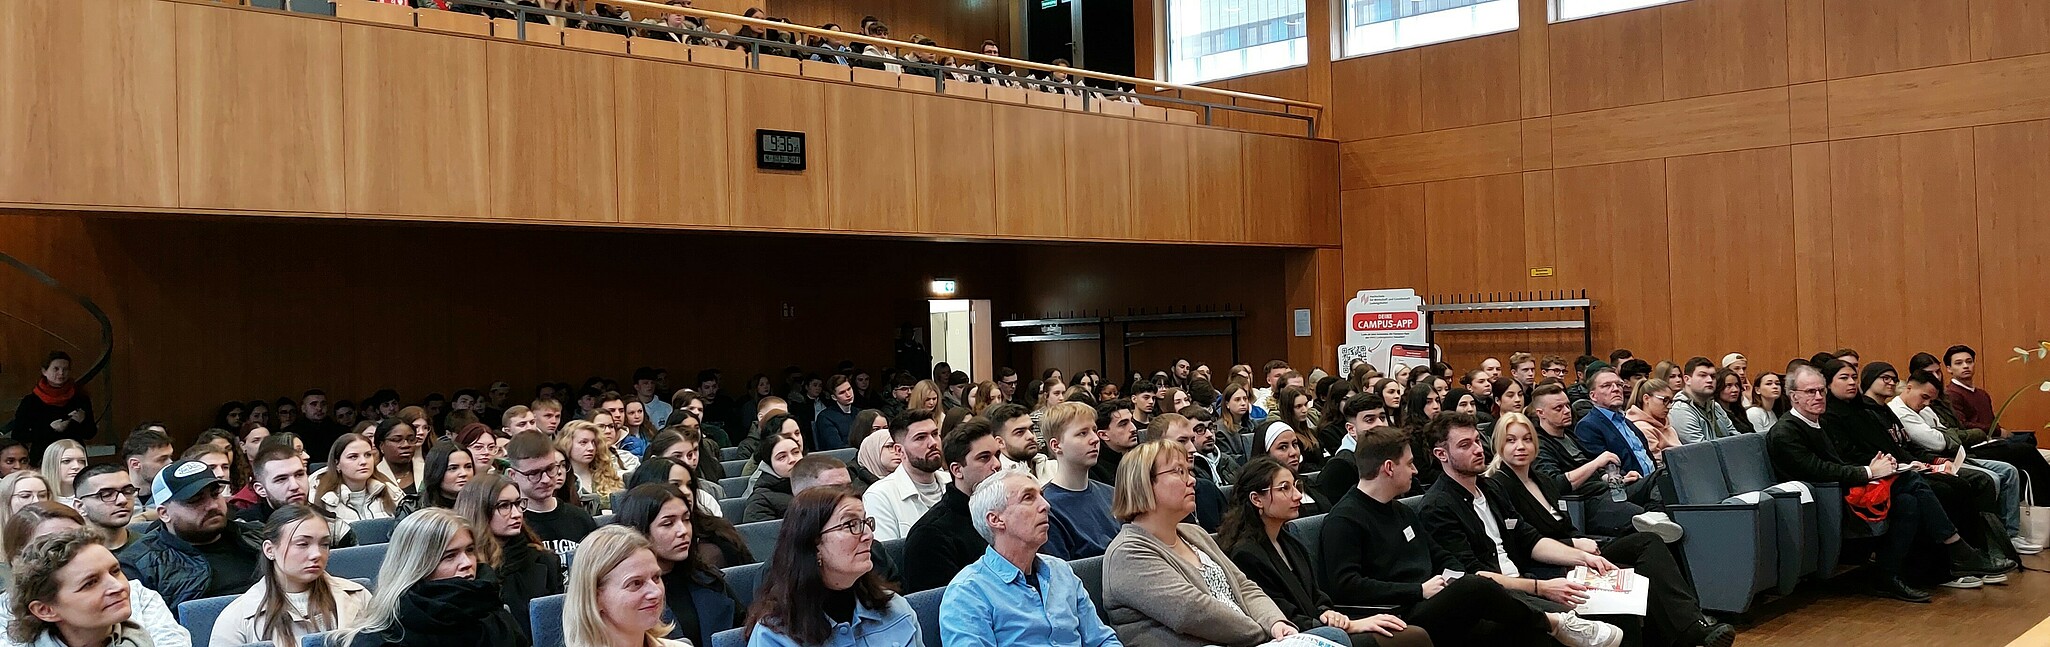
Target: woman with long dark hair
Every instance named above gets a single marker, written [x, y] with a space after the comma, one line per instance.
[1769, 401]
[699, 600]
[1294, 408]
[230, 415]
[821, 587]
[1729, 394]
[296, 596]
[508, 553]
[1419, 405]
[1256, 538]
[449, 468]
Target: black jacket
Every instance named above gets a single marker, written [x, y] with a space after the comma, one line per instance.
[1105, 470]
[524, 573]
[708, 602]
[1547, 522]
[1376, 554]
[1449, 518]
[1339, 476]
[33, 418]
[1558, 455]
[453, 612]
[945, 541]
[1289, 584]
[1862, 426]
[1801, 452]
[318, 436]
[769, 499]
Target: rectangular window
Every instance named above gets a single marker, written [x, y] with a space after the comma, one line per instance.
[1215, 39]
[1373, 26]
[1564, 10]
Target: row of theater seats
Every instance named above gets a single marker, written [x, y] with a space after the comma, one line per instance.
[463, 23]
[1746, 533]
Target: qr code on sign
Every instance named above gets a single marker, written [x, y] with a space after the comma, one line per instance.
[1350, 354]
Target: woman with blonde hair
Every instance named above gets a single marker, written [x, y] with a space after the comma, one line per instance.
[19, 490]
[596, 470]
[615, 594]
[1649, 405]
[428, 594]
[924, 395]
[69, 590]
[62, 461]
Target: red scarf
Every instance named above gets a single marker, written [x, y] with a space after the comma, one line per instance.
[54, 395]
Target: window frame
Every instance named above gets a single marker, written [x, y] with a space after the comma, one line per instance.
[1165, 35]
[1342, 28]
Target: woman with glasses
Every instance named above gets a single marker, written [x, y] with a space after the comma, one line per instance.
[508, 553]
[482, 444]
[821, 588]
[428, 593]
[350, 488]
[700, 601]
[398, 446]
[1649, 405]
[296, 596]
[1255, 535]
[1174, 586]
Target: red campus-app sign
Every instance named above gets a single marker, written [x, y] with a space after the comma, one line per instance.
[1384, 321]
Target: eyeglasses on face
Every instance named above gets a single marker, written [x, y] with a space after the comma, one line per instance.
[1179, 471]
[555, 469]
[112, 495]
[862, 527]
[507, 505]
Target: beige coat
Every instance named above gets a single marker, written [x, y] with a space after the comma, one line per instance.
[237, 624]
[1154, 599]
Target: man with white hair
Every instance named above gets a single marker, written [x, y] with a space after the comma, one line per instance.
[1014, 596]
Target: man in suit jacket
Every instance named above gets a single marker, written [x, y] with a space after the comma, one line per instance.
[1478, 526]
[1605, 430]
[1801, 451]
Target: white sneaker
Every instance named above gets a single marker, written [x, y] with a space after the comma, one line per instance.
[1658, 523]
[2024, 547]
[1996, 578]
[1966, 582]
[1576, 631]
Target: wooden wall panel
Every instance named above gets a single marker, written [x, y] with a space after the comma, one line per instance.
[779, 198]
[1814, 246]
[1629, 279]
[1032, 196]
[1909, 198]
[1614, 60]
[546, 162]
[1382, 95]
[1291, 195]
[1472, 228]
[1956, 96]
[1442, 154]
[1731, 252]
[1099, 176]
[107, 132]
[1161, 194]
[956, 167]
[1872, 36]
[1470, 82]
[1217, 185]
[1806, 59]
[1534, 51]
[249, 82]
[2010, 162]
[873, 144]
[2009, 28]
[1541, 228]
[1384, 228]
[674, 146]
[1723, 46]
[1670, 128]
[399, 163]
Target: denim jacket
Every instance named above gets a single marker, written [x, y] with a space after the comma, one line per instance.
[896, 626]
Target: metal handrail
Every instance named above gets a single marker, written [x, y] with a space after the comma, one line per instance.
[939, 71]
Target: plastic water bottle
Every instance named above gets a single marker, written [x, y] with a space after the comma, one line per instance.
[1614, 477]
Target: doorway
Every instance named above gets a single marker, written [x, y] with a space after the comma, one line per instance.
[962, 331]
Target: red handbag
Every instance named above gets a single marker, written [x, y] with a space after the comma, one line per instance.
[1871, 500]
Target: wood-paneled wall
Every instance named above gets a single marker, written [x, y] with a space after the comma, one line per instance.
[217, 309]
[1774, 177]
[231, 110]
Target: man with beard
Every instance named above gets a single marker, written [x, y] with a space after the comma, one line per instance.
[898, 500]
[944, 539]
[105, 496]
[1013, 427]
[1213, 463]
[1119, 428]
[313, 426]
[195, 551]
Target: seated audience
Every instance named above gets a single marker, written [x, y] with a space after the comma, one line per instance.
[1375, 553]
[1215, 461]
[1696, 416]
[480, 443]
[296, 595]
[1606, 429]
[1181, 432]
[46, 518]
[1971, 409]
[428, 593]
[616, 594]
[62, 461]
[17, 491]
[686, 445]
[1803, 450]
[538, 469]
[449, 467]
[1277, 440]
[771, 494]
[350, 487]
[1255, 535]
[1080, 524]
[194, 551]
[107, 498]
[1361, 413]
[899, 499]
[833, 424]
[311, 424]
[595, 471]
[821, 587]
[1911, 404]
[1012, 595]
[944, 539]
[145, 452]
[508, 553]
[1651, 407]
[68, 591]
[1014, 427]
[879, 454]
[1731, 396]
[699, 600]
[1117, 424]
[1172, 584]
[1768, 401]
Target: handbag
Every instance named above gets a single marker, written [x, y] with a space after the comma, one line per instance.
[1871, 501]
[2035, 519]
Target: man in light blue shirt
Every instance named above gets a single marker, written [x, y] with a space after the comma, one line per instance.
[1013, 596]
[1604, 429]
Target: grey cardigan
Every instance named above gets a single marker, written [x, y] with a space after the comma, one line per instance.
[1154, 599]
